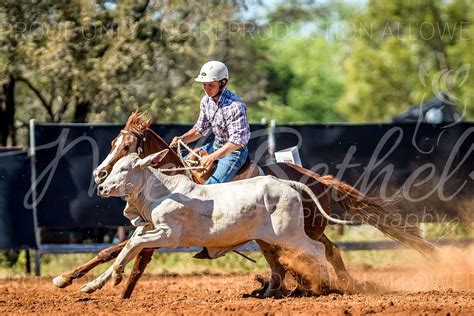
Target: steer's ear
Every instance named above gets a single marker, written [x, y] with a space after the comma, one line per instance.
[152, 160]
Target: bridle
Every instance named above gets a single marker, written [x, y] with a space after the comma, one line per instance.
[140, 144]
[187, 168]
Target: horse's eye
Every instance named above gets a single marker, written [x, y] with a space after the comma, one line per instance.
[126, 148]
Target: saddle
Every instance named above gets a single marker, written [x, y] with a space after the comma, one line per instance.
[248, 170]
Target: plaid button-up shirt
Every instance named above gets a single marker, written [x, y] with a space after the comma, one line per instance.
[227, 119]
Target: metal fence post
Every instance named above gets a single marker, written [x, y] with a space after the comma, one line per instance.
[271, 142]
[32, 156]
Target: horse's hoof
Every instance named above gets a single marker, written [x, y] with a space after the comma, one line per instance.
[273, 294]
[347, 285]
[87, 289]
[60, 282]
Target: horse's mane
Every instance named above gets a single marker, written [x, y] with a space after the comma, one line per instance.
[142, 129]
[135, 124]
[154, 143]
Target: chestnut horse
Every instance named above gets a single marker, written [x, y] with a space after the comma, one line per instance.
[139, 138]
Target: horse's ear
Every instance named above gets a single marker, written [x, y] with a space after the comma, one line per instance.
[152, 160]
[131, 119]
[147, 123]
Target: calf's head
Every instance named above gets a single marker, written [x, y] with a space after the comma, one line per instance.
[127, 174]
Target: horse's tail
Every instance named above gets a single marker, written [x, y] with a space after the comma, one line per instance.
[374, 211]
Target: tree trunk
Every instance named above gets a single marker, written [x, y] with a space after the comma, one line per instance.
[82, 110]
[7, 113]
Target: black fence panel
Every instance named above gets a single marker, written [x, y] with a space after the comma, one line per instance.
[16, 221]
[66, 155]
[432, 167]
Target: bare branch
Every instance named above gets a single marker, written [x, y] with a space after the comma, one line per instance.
[40, 96]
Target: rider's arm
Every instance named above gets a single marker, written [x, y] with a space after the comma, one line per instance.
[228, 147]
[188, 137]
[203, 125]
[239, 131]
[191, 136]
[237, 124]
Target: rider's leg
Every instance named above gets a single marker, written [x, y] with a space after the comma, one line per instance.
[209, 147]
[228, 166]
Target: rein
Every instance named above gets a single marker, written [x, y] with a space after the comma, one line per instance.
[178, 152]
[179, 169]
[192, 152]
[141, 150]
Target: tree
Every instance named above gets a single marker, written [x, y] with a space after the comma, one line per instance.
[400, 52]
[462, 58]
[304, 81]
[303, 77]
[81, 61]
[16, 19]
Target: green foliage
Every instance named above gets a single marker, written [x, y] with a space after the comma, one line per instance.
[462, 58]
[403, 53]
[301, 63]
[82, 61]
[304, 81]
[90, 61]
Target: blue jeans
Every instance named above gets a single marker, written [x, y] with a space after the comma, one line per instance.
[227, 166]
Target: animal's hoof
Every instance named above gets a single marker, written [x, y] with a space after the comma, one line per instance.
[347, 284]
[117, 278]
[258, 293]
[60, 282]
[273, 294]
[86, 288]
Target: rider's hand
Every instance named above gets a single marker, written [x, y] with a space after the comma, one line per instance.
[207, 161]
[174, 142]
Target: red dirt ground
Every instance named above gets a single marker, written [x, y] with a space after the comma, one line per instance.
[397, 291]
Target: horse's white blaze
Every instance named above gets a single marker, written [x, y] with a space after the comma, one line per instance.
[110, 156]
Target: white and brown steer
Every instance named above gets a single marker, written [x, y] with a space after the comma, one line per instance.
[221, 217]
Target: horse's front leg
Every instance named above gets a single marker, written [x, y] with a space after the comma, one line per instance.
[105, 255]
[141, 261]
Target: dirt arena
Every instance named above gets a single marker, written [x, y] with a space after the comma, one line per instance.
[388, 291]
